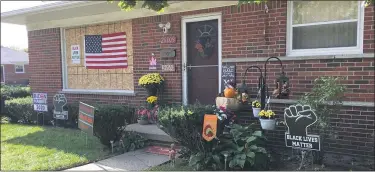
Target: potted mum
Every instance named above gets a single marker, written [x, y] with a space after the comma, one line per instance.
[143, 116]
[152, 82]
[267, 119]
[256, 108]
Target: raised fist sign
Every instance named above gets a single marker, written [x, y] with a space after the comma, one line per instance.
[59, 101]
[298, 118]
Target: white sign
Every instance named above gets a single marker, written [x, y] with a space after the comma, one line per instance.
[40, 108]
[40, 102]
[75, 54]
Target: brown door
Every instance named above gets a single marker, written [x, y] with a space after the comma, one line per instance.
[202, 61]
[2, 73]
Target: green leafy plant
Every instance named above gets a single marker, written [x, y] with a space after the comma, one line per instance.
[20, 110]
[108, 118]
[184, 124]
[132, 141]
[247, 151]
[10, 92]
[325, 99]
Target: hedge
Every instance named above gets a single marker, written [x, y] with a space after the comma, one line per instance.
[10, 92]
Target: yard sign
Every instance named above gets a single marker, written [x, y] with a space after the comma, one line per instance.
[86, 118]
[40, 102]
[298, 118]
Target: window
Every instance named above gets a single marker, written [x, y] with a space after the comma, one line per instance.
[19, 68]
[324, 28]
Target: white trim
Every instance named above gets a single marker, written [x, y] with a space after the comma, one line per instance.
[3, 73]
[288, 58]
[101, 92]
[64, 61]
[324, 51]
[23, 68]
[323, 23]
[197, 18]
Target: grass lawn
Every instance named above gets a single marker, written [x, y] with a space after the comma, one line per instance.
[26, 147]
[181, 165]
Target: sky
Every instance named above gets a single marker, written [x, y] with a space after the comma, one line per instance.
[11, 34]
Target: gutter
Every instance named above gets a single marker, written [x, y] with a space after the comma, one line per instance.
[47, 8]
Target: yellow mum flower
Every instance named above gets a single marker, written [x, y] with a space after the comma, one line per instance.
[151, 78]
[152, 99]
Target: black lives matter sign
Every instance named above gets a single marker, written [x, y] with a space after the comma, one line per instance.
[298, 118]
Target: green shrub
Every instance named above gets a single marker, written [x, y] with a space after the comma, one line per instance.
[9, 92]
[108, 119]
[20, 109]
[184, 123]
[132, 141]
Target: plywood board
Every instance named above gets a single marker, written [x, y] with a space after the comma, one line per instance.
[81, 78]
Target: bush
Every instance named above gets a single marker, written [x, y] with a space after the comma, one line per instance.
[20, 109]
[108, 119]
[10, 92]
[184, 123]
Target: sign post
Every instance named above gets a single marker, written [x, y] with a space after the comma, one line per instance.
[40, 104]
[86, 119]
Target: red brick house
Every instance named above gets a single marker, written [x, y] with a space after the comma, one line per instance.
[14, 67]
[311, 38]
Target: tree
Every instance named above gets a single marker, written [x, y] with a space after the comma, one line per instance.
[160, 5]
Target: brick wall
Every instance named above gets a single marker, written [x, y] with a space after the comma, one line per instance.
[353, 131]
[45, 61]
[357, 75]
[11, 77]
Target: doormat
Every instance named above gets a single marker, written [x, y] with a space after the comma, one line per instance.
[158, 150]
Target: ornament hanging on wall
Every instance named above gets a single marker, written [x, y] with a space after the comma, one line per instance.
[152, 62]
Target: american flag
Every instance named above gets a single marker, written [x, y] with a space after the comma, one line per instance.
[106, 51]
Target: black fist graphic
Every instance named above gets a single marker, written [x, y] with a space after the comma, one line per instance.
[298, 118]
[59, 101]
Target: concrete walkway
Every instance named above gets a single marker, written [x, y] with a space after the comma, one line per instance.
[131, 161]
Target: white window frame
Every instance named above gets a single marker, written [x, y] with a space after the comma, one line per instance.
[325, 51]
[23, 68]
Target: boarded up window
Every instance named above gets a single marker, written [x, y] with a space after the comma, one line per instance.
[78, 77]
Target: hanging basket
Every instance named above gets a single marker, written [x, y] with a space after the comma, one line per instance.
[268, 124]
[256, 112]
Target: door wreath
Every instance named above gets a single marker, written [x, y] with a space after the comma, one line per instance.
[205, 47]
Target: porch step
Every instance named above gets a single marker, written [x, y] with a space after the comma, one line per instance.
[151, 132]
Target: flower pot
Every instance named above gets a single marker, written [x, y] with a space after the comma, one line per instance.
[256, 112]
[268, 124]
[151, 91]
[142, 122]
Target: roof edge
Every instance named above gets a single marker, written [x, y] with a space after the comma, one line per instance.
[46, 8]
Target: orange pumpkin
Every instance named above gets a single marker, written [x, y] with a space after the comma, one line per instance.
[229, 92]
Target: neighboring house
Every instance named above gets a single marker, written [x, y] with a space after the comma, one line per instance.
[14, 67]
[312, 38]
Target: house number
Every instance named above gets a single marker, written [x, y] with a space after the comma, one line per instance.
[167, 53]
[168, 68]
[168, 40]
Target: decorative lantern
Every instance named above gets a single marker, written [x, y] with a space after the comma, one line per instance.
[243, 93]
[282, 90]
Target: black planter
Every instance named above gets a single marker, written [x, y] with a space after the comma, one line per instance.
[152, 91]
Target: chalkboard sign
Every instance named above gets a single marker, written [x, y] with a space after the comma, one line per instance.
[228, 74]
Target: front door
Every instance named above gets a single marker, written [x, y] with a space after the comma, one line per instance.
[202, 61]
[2, 74]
